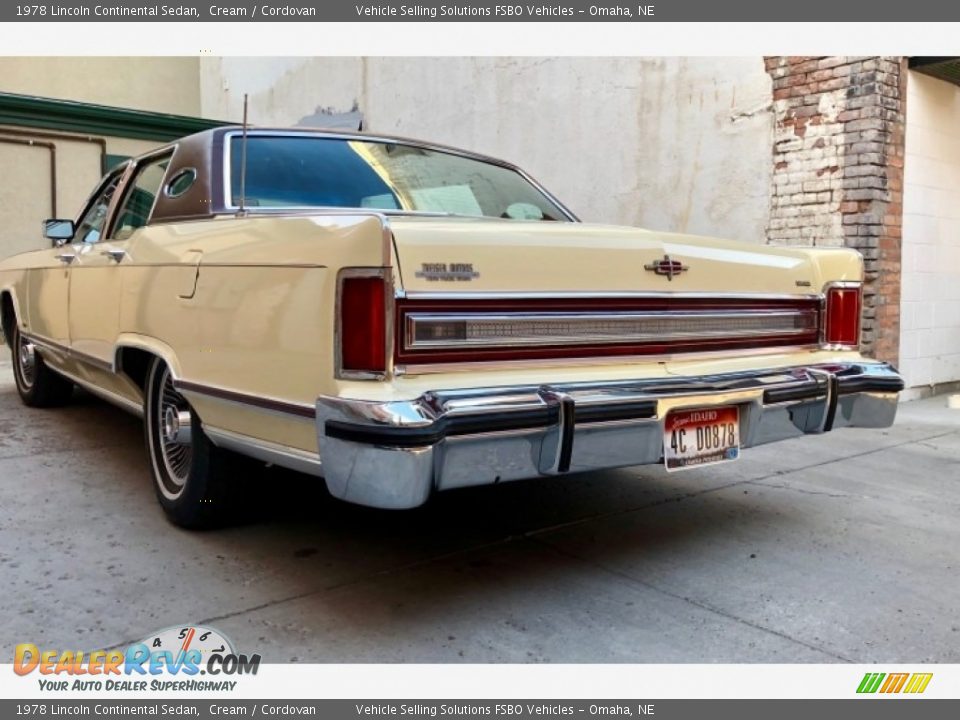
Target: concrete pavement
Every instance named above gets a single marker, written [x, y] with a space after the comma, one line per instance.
[841, 548]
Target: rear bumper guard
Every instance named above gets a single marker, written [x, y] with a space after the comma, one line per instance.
[394, 454]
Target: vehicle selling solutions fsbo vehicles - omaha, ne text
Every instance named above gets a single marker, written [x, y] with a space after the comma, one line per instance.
[400, 318]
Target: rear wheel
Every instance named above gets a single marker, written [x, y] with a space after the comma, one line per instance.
[198, 484]
[38, 385]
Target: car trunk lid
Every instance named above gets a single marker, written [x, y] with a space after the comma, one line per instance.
[494, 256]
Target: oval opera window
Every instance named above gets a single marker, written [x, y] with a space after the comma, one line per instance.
[181, 182]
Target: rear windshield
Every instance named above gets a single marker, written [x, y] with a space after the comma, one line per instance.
[288, 172]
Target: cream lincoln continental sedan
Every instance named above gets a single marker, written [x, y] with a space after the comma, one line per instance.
[401, 318]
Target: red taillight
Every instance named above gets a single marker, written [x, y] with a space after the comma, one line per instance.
[363, 329]
[842, 325]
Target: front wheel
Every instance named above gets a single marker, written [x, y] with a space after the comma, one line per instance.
[198, 484]
[37, 384]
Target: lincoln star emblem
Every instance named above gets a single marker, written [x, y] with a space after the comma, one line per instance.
[667, 266]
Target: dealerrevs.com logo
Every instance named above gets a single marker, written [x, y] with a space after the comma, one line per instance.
[892, 683]
[172, 659]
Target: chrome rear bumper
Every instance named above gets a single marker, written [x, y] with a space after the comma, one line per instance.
[394, 454]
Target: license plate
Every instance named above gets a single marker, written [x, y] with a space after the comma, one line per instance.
[693, 438]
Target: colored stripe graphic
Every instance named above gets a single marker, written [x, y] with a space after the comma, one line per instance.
[918, 683]
[870, 682]
[894, 683]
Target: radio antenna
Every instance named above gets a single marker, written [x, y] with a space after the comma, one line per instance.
[242, 210]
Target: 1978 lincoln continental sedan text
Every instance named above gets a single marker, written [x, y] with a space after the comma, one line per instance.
[401, 318]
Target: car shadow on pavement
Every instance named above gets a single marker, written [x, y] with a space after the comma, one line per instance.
[339, 568]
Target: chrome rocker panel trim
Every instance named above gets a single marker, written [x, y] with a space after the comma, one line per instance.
[395, 454]
[265, 451]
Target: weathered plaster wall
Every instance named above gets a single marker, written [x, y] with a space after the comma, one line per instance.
[667, 143]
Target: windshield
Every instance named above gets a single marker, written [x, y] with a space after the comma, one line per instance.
[298, 171]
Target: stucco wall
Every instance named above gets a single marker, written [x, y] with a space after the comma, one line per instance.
[25, 201]
[667, 143]
[168, 85]
[930, 310]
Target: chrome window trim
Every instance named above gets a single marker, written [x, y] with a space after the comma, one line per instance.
[121, 174]
[413, 318]
[117, 171]
[228, 164]
[131, 173]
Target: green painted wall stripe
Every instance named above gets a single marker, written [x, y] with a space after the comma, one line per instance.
[104, 120]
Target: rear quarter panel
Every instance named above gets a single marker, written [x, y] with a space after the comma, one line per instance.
[246, 305]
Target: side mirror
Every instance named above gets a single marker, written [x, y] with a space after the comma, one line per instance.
[59, 231]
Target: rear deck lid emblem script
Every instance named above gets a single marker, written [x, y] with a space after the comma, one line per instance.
[447, 271]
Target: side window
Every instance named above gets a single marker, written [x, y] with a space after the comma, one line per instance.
[134, 211]
[90, 227]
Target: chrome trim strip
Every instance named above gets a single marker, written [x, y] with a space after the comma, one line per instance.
[675, 319]
[48, 344]
[268, 265]
[110, 397]
[459, 367]
[599, 295]
[266, 451]
[387, 242]
[70, 352]
[841, 284]
[257, 402]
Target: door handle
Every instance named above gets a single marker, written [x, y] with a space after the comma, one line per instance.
[66, 258]
[114, 254]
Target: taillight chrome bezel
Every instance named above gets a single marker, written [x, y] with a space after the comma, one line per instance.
[825, 342]
[386, 276]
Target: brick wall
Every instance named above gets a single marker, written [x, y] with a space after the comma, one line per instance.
[838, 172]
